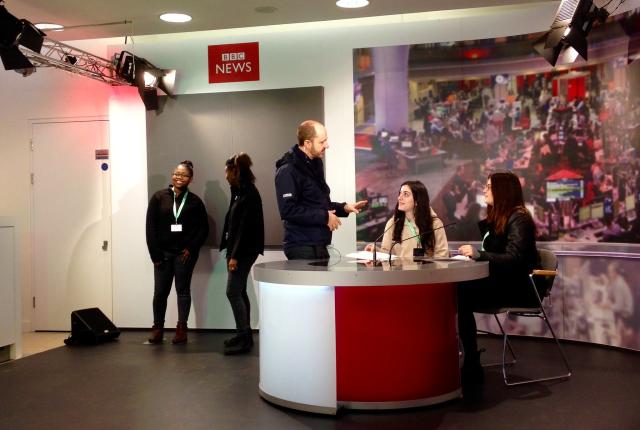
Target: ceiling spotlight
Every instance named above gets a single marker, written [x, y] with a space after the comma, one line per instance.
[148, 78]
[70, 59]
[352, 4]
[567, 38]
[49, 26]
[175, 17]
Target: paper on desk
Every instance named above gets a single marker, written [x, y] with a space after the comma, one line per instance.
[460, 257]
[366, 255]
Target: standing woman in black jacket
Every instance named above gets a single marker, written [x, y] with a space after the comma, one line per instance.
[177, 227]
[243, 238]
[509, 245]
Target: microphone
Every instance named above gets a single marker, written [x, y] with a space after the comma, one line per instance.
[380, 237]
[418, 235]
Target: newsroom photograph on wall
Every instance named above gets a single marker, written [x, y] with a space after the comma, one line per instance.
[448, 114]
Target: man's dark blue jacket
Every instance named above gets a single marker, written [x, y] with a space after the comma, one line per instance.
[303, 200]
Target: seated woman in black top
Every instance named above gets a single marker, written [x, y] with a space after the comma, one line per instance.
[509, 245]
[177, 226]
[243, 238]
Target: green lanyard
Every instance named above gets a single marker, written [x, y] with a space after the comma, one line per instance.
[413, 230]
[485, 236]
[177, 213]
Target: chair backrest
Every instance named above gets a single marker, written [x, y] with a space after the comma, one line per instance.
[548, 261]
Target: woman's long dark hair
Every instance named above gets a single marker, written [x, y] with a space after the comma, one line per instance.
[421, 212]
[241, 164]
[507, 199]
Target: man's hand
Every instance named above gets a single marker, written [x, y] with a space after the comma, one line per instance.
[355, 207]
[334, 222]
[232, 265]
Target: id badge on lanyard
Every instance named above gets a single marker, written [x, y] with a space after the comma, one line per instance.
[176, 228]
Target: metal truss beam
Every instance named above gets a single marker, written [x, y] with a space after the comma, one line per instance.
[61, 56]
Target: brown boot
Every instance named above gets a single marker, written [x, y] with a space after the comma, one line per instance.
[181, 333]
[157, 334]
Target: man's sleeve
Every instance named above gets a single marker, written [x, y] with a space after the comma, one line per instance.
[339, 208]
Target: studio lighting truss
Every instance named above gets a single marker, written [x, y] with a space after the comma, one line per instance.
[23, 48]
[567, 38]
[60, 56]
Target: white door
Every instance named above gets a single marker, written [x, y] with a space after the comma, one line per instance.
[71, 221]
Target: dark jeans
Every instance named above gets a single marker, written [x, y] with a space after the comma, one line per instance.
[237, 294]
[172, 268]
[307, 252]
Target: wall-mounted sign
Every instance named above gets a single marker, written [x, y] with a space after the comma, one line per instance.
[235, 62]
[102, 154]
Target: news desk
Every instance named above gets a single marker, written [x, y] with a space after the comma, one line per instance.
[345, 334]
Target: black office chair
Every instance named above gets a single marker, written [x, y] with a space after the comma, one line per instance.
[541, 280]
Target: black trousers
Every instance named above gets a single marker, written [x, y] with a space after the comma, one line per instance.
[487, 293]
[164, 274]
[307, 252]
[237, 294]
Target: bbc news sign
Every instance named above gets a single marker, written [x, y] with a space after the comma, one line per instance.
[235, 62]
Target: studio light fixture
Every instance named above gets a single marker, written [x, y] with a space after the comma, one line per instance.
[147, 77]
[567, 38]
[630, 23]
[15, 33]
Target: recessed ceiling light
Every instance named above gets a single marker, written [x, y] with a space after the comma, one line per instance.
[266, 9]
[352, 4]
[49, 26]
[175, 17]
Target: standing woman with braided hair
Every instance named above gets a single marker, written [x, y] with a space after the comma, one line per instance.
[177, 227]
[243, 238]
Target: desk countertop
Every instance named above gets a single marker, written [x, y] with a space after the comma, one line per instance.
[351, 272]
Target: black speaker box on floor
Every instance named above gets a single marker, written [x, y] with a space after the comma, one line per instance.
[91, 326]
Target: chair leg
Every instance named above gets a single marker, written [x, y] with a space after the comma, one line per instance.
[548, 378]
[505, 341]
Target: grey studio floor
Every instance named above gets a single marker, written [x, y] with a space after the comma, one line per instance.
[128, 385]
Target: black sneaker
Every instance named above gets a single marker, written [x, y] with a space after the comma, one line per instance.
[232, 341]
[240, 348]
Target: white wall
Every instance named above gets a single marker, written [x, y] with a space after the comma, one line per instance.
[45, 94]
[311, 54]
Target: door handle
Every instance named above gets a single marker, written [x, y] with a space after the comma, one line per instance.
[105, 245]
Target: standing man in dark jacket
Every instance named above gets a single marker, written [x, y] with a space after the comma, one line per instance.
[305, 206]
